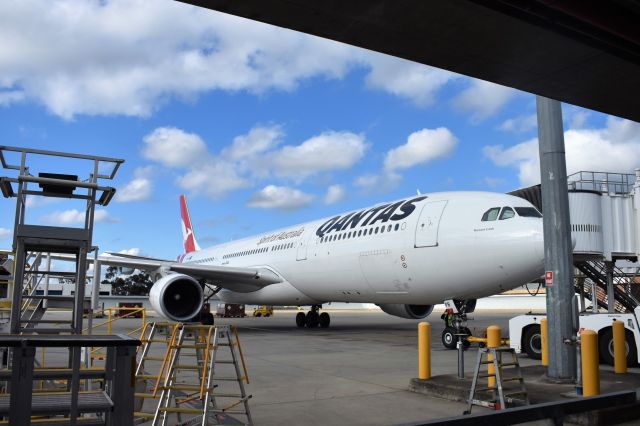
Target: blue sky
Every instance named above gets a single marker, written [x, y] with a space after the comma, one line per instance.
[261, 127]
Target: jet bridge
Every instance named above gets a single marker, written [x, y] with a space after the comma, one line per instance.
[605, 224]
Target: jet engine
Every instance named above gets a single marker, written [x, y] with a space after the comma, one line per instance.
[406, 311]
[177, 297]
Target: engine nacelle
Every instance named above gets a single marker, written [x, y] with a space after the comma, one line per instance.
[177, 297]
[406, 311]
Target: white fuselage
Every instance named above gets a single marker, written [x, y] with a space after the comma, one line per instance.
[420, 250]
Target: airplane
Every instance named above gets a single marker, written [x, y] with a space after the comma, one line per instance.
[405, 256]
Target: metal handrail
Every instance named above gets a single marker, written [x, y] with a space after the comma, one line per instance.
[98, 159]
[618, 183]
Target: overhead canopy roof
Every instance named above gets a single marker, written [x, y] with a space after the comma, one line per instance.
[585, 53]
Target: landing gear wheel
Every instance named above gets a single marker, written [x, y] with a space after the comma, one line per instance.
[605, 347]
[449, 337]
[207, 318]
[312, 319]
[532, 342]
[267, 315]
[301, 319]
[258, 315]
[325, 320]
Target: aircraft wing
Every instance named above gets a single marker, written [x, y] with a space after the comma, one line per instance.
[241, 279]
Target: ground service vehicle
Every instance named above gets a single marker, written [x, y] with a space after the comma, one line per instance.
[263, 311]
[524, 333]
[231, 310]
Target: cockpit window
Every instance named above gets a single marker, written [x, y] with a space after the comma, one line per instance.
[507, 213]
[491, 214]
[528, 212]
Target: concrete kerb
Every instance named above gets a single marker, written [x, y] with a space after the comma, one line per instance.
[540, 390]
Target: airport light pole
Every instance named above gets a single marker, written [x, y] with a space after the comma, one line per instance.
[558, 250]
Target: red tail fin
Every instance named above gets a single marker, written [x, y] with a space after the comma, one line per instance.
[188, 237]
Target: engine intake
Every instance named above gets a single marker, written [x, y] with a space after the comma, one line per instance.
[177, 297]
[406, 311]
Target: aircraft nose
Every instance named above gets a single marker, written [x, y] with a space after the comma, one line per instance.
[538, 241]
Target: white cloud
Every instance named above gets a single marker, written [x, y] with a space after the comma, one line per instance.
[614, 148]
[422, 146]
[378, 184]
[259, 140]
[173, 147]
[76, 217]
[325, 152]
[212, 177]
[37, 201]
[139, 188]
[334, 194]
[279, 197]
[407, 79]
[248, 159]
[520, 124]
[134, 251]
[5, 233]
[579, 119]
[8, 97]
[482, 99]
[152, 52]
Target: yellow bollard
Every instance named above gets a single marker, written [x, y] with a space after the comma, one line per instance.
[493, 341]
[590, 372]
[424, 350]
[544, 341]
[619, 348]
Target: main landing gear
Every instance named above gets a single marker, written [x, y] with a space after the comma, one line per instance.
[313, 318]
[455, 320]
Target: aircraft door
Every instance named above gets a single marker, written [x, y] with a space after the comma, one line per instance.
[428, 224]
[301, 253]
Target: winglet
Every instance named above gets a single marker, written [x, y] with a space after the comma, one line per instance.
[188, 237]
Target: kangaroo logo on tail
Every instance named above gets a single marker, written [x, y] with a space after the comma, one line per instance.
[188, 237]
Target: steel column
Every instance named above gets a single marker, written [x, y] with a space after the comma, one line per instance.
[123, 387]
[611, 300]
[557, 239]
[21, 390]
[18, 281]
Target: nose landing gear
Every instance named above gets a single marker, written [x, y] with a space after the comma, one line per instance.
[313, 318]
[455, 320]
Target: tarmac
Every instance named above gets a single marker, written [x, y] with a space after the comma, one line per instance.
[356, 372]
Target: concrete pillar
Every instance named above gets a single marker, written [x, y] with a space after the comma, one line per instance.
[558, 248]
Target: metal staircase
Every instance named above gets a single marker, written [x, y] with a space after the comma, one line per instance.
[29, 328]
[626, 288]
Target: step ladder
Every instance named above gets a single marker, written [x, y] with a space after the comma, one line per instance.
[500, 394]
[150, 360]
[211, 389]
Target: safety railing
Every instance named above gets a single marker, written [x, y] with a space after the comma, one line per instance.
[112, 317]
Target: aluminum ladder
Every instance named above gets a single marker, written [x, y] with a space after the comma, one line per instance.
[212, 388]
[500, 395]
[144, 379]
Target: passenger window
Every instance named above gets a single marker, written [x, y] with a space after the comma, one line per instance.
[491, 214]
[507, 213]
